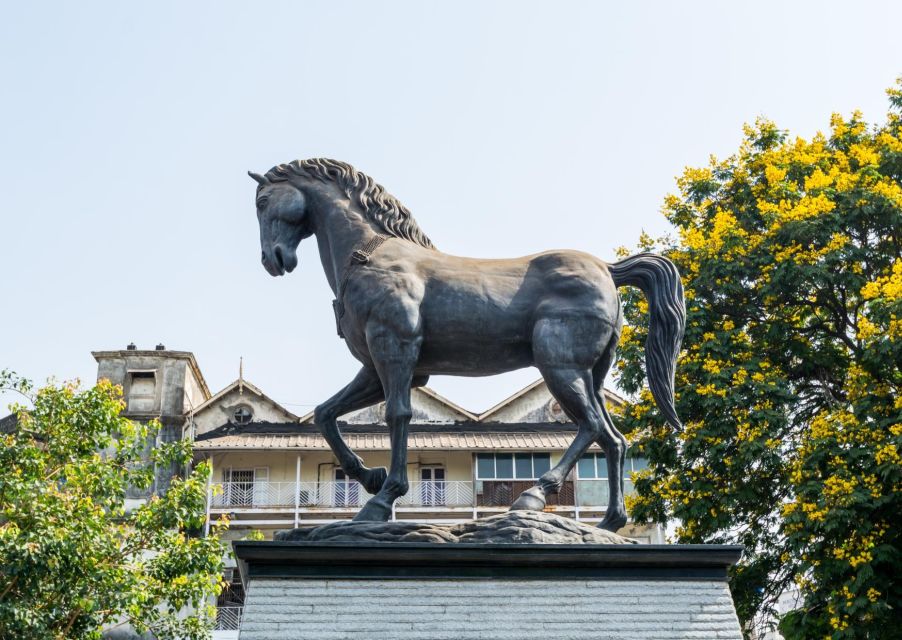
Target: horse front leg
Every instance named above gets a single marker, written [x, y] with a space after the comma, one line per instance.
[395, 359]
[363, 391]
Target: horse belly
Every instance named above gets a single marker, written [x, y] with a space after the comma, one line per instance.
[474, 336]
[474, 359]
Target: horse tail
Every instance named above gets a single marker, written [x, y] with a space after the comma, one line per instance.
[659, 280]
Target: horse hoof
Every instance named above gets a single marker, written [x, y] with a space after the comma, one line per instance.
[373, 479]
[373, 512]
[533, 499]
[613, 523]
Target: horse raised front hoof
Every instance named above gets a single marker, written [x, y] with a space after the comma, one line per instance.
[613, 522]
[373, 479]
[533, 499]
[374, 512]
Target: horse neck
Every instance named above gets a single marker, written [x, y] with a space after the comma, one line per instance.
[339, 232]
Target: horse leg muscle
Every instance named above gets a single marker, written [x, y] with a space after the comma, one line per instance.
[395, 358]
[363, 391]
[573, 389]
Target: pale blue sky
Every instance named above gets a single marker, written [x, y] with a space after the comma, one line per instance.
[506, 127]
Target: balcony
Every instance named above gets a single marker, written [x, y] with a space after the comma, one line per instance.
[502, 493]
[228, 618]
[438, 493]
[333, 494]
[287, 496]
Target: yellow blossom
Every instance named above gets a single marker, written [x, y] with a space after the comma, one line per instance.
[889, 286]
[838, 125]
[866, 329]
[889, 190]
[817, 180]
[711, 366]
[888, 454]
[864, 155]
[774, 175]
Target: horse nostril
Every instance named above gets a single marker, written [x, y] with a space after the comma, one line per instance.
[277, 252]
[263, 257]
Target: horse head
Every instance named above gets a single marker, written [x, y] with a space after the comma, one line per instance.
[282, 211]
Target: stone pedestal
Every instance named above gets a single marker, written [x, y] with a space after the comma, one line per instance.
[436, 591]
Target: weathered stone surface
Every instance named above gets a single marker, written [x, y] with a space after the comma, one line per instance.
[521, 527]
[321, 609]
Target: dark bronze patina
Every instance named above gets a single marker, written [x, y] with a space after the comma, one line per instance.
[408, 311]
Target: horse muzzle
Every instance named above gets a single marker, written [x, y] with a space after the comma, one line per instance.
[279, 261]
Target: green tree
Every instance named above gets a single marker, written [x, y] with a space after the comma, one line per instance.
[789, 380]
[72, 560]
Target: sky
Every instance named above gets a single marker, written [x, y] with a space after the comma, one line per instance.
[507, 128]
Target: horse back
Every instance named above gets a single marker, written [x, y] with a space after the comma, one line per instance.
[477, 316]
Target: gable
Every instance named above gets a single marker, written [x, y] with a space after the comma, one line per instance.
[221, 408]
[534, 404]
[428, 408]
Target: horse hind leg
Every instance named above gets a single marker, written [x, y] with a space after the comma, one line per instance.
[573, 389]
[614, 445]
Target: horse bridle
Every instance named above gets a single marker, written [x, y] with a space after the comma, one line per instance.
[358, 256]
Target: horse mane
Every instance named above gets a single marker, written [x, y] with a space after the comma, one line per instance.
[381, 207]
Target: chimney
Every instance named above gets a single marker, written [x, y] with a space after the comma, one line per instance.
[131, 347]
[161, 347]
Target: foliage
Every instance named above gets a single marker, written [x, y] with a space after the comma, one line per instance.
[789, 381]
[72, 559]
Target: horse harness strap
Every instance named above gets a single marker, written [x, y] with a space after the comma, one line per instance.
[359, 256]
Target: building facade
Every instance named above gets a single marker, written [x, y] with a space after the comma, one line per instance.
[273, 470]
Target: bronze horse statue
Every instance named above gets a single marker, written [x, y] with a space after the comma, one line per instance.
[408, 311]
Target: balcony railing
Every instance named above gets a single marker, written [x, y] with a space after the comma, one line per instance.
[257, 495]
[438, 493]
[228, 618]
[502, 493]
[261, 495]
[446, 493]
[595, 492]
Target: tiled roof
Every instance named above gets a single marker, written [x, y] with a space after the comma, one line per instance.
[471, 441]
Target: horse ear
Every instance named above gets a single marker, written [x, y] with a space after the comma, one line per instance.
[256, 176]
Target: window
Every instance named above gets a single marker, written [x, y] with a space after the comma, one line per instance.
[510, 466]
[432, 486]
[142, 387]
[595, 465]
[239, 486]
[245, 487]
[242, 414]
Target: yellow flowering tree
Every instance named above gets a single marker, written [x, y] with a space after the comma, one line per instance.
[789, 382]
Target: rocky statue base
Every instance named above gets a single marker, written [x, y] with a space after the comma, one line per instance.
[514, 527]
[516, 576]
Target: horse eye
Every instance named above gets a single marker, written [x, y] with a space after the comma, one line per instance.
[262, 202]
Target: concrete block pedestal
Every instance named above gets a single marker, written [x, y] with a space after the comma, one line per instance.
[338, 591]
